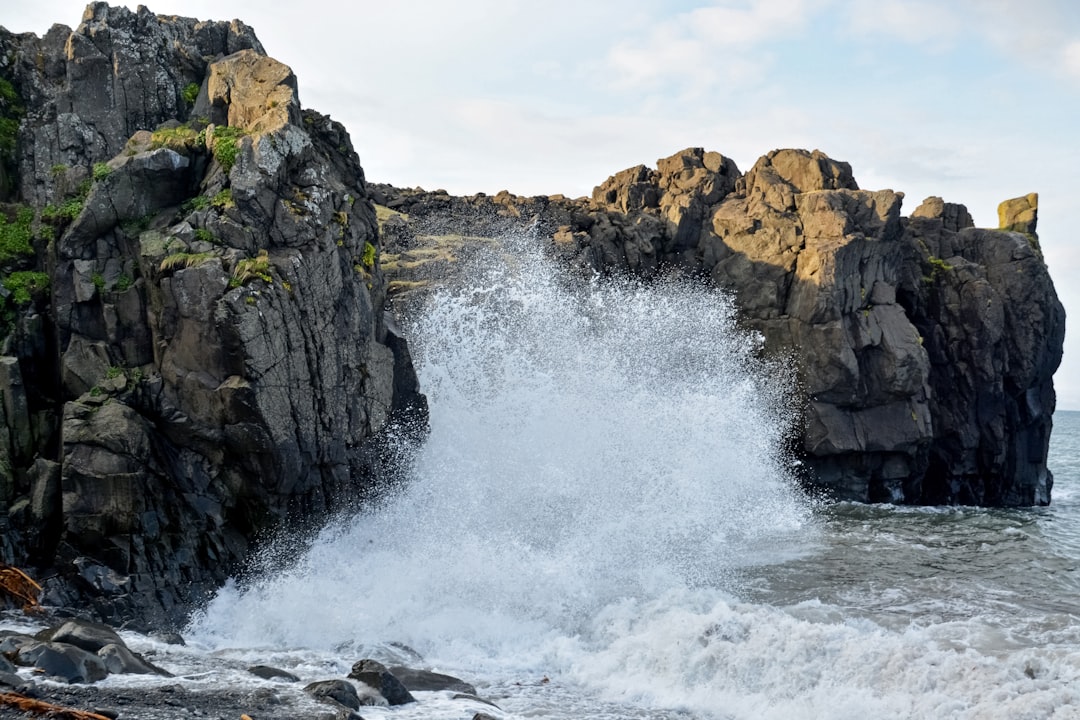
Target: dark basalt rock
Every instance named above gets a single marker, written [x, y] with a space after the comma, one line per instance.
[375, 675]
[339, 692]
[89, 636]
[119, 659]
[271, 673]
[418, 680]
[66, 663]
[213, 360]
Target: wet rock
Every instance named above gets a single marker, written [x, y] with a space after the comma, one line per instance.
[9, 679]
[66, 663]
[89, 636]
[375, 675]
[416, 680]
[11, 642]
[340, 692]
[474, 698]
[119, 659]
[271, 673]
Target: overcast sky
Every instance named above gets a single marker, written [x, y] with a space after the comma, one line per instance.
[973, 100]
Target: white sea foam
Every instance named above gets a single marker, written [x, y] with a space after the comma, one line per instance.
[604, 472]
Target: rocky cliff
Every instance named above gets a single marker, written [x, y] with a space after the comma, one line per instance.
[195, 350]
[925, 347]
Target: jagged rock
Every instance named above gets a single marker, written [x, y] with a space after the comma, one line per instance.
[249, 90]
[953, 216]
[88, 91]
[632, 189]
[217, 339]
[375, 675]
[16, 413]
[925, 348]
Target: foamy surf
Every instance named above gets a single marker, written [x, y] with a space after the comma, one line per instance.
[603, 523]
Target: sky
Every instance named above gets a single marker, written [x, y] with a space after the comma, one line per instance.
[975, 101]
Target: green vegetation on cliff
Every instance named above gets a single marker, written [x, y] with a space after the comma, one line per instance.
[248, 269]
[190, 93]
[24, 284]
[227, 145]
[182, 138]
[15, 236]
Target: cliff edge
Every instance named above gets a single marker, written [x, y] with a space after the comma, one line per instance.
[195, 350]
[925, 347]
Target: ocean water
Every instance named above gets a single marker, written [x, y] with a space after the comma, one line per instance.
[605, 523]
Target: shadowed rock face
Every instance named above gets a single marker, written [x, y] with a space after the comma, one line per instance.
[925, 347]
[214, 361]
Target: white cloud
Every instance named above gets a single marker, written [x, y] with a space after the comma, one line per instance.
[1042, 34]
[706, 45]
[933, 24]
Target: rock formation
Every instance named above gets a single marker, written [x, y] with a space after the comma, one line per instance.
[195, 350]
[211, 360]
[925, 348]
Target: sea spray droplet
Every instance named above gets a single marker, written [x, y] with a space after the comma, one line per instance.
[590, 443]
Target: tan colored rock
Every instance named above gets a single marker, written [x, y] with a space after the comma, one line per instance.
[925, 347]
[777, 177]
[954, 217]
[252, 91]
[1019, 214]
[631, 189]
